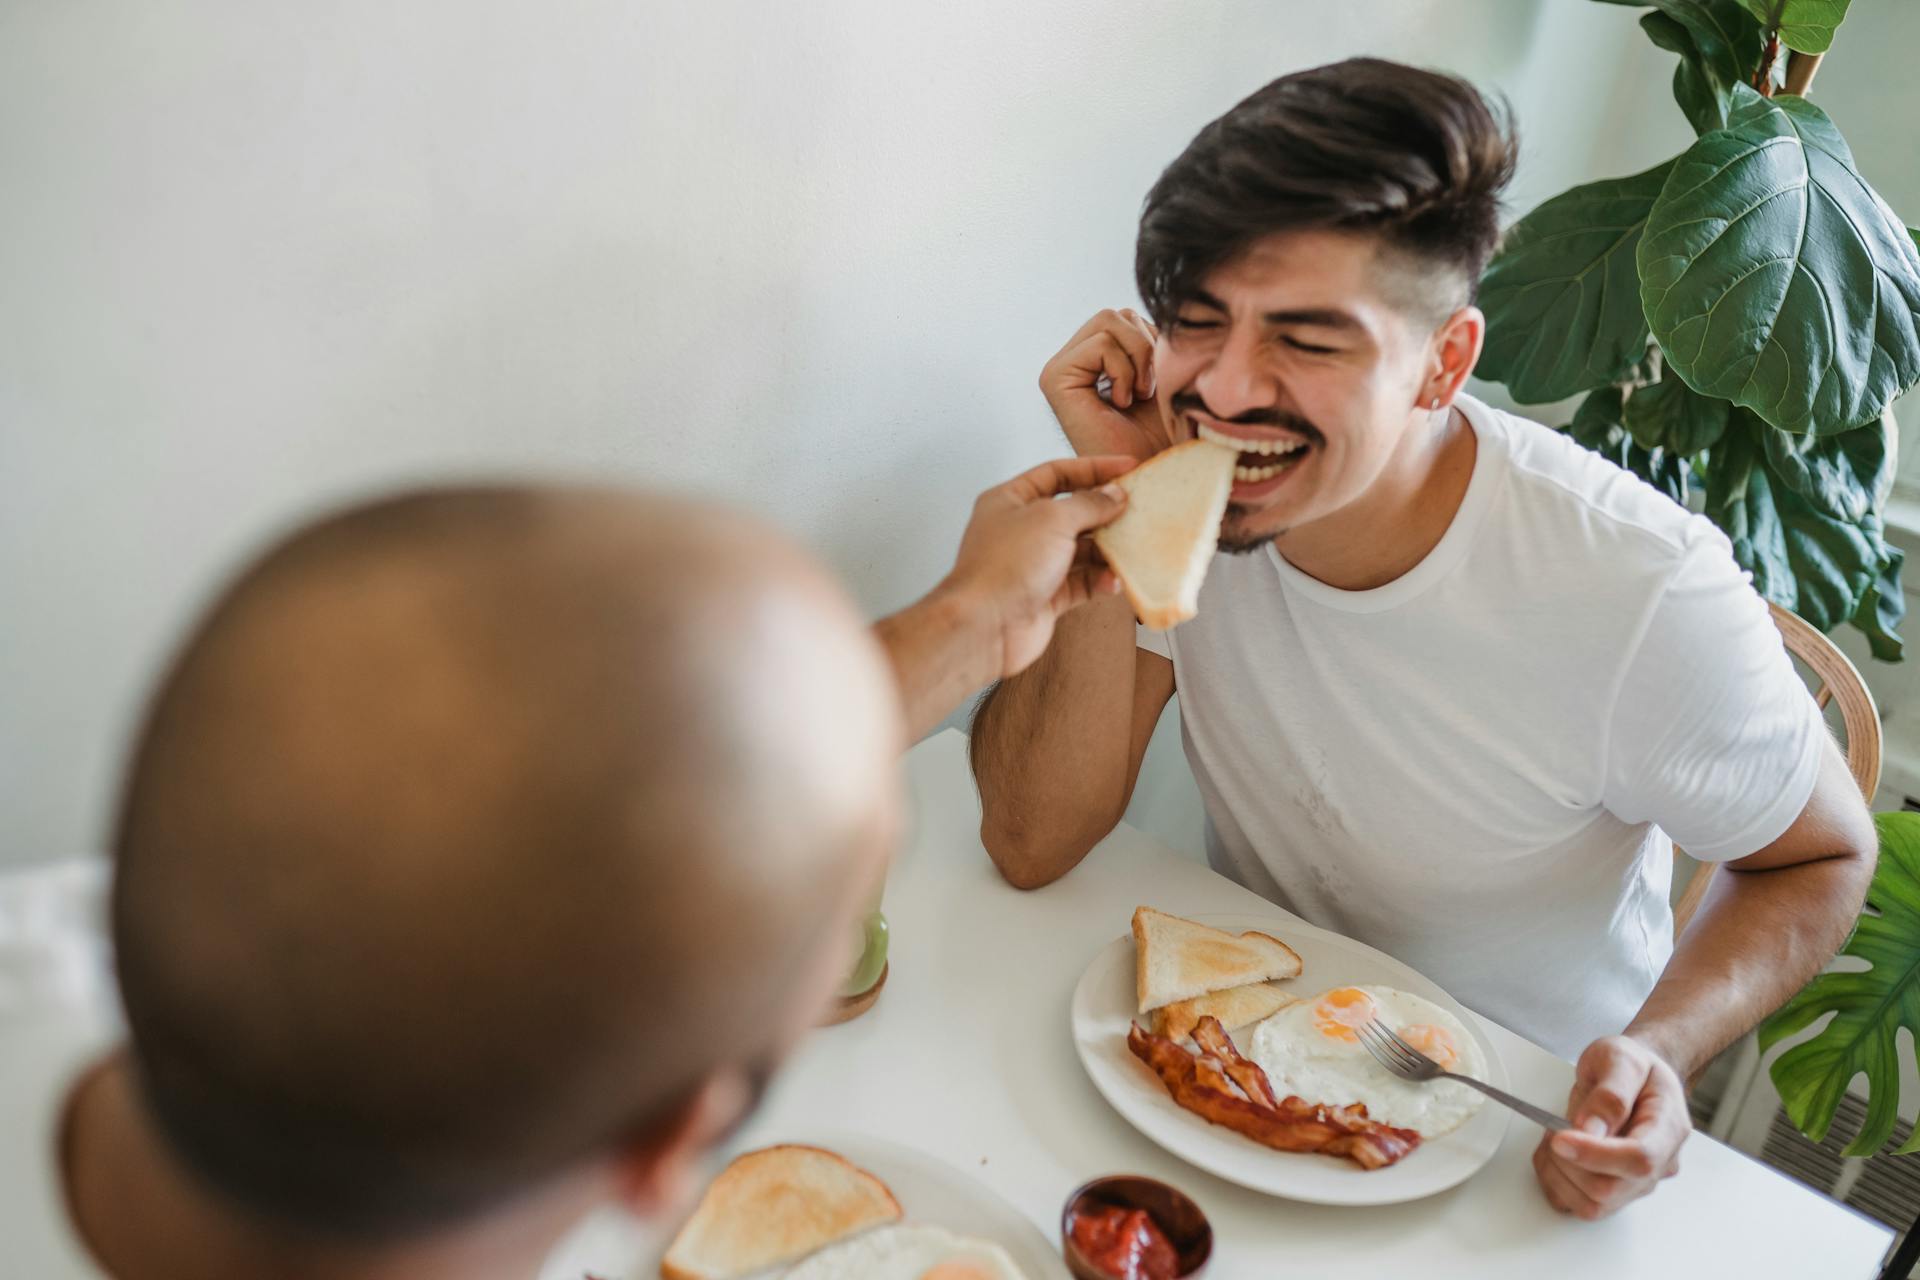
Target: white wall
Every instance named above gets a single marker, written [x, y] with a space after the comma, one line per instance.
[256, 257]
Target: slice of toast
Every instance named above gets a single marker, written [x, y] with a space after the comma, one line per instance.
[1162, 543]
[773, 1206]
[1236, 1007]
[1177, 959]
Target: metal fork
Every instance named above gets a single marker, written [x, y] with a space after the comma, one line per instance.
[1407, 1062]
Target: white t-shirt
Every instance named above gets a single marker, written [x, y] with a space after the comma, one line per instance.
[57, 1017]
[1477, 767]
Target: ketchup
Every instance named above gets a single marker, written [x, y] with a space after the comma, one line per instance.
[1127, 1244]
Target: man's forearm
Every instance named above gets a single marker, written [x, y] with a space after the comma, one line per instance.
[1759, 937]
[1051, 747]
[942, 649]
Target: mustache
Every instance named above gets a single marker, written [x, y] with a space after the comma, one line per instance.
[1189, 402]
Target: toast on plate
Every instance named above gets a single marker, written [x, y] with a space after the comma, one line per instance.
[1235, 1007]
[1178, 959]
[773, 1206]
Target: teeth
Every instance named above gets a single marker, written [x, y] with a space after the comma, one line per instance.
[1252, 475]
[1274, 448]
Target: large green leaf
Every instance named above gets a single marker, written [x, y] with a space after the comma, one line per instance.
[1806, 25]
[1840, 476]
[1800, 557]
[1562, 298]
[1773, 276]
[1597, 425]
[1701, 95]
[1727, 39]
[1882, 608]
[1869, 1006]
[1719, 44]
[1671, 415]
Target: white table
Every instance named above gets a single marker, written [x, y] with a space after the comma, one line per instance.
[967, 1055]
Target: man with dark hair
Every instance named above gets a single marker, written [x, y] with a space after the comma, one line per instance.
[1465, 682]
[481, 855]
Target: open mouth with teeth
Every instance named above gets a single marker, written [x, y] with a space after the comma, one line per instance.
[1259, 459]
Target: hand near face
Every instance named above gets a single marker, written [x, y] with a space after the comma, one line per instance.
[1023, 561]
[1116, 345]
[1629, 1114]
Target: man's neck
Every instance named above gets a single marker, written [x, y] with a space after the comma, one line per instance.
[145, 1218]
[1400, 519]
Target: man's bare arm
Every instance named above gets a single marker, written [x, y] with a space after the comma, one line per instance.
[1024, 562]
[1057, 749]
[1765, 928]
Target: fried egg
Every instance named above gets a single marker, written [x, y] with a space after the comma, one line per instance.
[1313, 1051]
[904, 1252]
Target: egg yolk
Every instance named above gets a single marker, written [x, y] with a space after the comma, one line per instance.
[1340, 1013]
[1434, 1042]
[954, 1271]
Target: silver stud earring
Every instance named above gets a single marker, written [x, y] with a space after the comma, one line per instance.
[1436, 402]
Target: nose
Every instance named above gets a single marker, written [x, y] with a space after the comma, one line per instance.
[1236, 381]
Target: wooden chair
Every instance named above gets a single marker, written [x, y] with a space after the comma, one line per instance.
[1838, 681]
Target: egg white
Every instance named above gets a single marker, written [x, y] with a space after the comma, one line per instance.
[1300, 1059]
[906, 1252]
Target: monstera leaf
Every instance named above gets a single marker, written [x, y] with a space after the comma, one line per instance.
[1800, 557]
[1774, 277]
[1669, 414]
[1596, 424]
[1868, 1006]
[1562, 299]
[1806, 25]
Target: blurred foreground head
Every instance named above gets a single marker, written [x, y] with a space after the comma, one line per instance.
[475, 838]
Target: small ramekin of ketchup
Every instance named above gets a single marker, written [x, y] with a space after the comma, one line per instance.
[1134, 1228]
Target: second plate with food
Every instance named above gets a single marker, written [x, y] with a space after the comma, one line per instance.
[1104, 1004]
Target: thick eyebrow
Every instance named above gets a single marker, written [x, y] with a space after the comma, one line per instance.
[1318, 317]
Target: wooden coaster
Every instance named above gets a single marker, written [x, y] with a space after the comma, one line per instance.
[847, 1008]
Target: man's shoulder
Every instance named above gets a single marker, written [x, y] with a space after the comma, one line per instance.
[1565, 500]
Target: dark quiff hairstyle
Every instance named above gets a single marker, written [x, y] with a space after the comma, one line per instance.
[1414, 157]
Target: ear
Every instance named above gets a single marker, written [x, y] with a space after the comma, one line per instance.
[654, 1173]
[1456, 349]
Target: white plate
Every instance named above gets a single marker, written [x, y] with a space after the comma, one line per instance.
[932, 1193]
[1104, 1004]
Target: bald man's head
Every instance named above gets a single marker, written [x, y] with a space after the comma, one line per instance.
[472, 832]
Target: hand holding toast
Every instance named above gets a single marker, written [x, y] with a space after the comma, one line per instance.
[1117, 346]
[1024, 560]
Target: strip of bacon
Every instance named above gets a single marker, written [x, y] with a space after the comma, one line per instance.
[1213, 1038]
[1291, 1125]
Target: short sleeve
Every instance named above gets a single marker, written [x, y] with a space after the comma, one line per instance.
[1713, 737]
[1152, 641]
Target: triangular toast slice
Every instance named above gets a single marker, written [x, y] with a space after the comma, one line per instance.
[1236, 1007]
[773, 1206]
[1162, 543]
[1178, 959]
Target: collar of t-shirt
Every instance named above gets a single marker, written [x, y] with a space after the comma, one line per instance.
[1490, 450]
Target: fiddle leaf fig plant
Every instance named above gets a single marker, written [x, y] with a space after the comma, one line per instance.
[1740, 317]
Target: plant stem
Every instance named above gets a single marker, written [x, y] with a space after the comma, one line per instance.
[1800, 69]
[1763, 78]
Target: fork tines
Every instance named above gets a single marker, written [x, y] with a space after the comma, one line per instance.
[1393, 1053]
